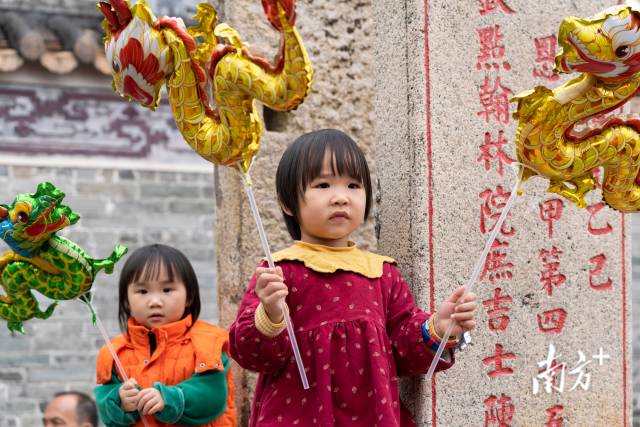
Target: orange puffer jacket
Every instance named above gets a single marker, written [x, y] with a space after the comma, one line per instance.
[182, 350]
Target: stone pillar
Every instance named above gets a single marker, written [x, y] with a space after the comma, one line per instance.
[558, 276]
[338, 37]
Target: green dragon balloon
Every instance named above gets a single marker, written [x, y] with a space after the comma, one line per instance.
[41, 261]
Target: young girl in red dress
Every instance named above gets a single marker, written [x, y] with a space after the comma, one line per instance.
[356, 323]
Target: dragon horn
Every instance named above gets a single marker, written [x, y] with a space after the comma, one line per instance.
[271, 11]
[117, 13]
[122, 11]
[109, 15]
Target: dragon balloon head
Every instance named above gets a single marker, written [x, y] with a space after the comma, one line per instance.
[137, 51]
[31, 219]
[606, 45]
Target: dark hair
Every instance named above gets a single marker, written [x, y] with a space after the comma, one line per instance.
[148, 260]
[86, 411]
[302, 162]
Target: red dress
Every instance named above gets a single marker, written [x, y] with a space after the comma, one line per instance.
[356, 335]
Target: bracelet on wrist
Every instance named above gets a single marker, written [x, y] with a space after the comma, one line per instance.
[431, 337]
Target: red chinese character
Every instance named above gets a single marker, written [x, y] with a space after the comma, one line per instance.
[492, 150]
[491, 48]
[553, 412]
[499, 411]
[495, 263]
[551, 210]
[494, 101]
[497, 320]
[598, 264]
[593, 210]
[493, 203]
[552, 321]
[488, 6]
[549, 277]
[497, 359]
[545, 52]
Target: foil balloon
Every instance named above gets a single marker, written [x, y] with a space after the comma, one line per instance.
[41, 261]
[147, 53]
[567, 132]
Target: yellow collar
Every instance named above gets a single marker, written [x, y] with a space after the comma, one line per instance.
[327, 259]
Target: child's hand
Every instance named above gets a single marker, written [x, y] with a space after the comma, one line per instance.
[150, 401]
[459, 309]
[129, 395]
[272, 291]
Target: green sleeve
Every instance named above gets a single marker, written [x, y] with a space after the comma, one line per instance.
[197, 400]
[108, 402]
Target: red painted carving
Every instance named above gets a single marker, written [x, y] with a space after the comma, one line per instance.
[551, 210]
[493, 203]
[488, 6]
[545, 57]
[491, 151]
[498, 320]
[552, 321]
[495, 266]
[491, 50]
[598, 262]
[554, 419]
[498, 411]
[497, 360]
[494, 99]
[593, 210]
[549, 276]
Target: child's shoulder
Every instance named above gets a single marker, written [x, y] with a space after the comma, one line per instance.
[117, 343]
[209, 342]
[207, 335]
[201, 327]
[104, 361]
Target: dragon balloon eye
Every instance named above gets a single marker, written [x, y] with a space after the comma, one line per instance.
[116, 67]
[23, 217]
[622, 51]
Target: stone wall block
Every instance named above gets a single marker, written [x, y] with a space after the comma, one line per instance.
[163, 191]
[110, 190]
[12, 375]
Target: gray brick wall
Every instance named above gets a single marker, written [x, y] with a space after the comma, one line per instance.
[128, 206]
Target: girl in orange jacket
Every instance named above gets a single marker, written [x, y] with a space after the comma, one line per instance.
[177, 366]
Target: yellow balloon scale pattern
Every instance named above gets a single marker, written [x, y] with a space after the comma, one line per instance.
[566, 133]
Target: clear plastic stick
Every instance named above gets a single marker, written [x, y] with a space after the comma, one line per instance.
[267, 251]
[479, 264]
[107, 341]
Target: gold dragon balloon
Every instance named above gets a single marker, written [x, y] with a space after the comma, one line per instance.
[147, 53]
[566, 133]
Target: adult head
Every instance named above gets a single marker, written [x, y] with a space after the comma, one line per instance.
[70, 409]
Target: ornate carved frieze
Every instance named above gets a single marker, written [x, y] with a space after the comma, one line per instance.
[65, 121]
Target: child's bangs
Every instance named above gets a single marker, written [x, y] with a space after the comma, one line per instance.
[152, 268]
[346, 159]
